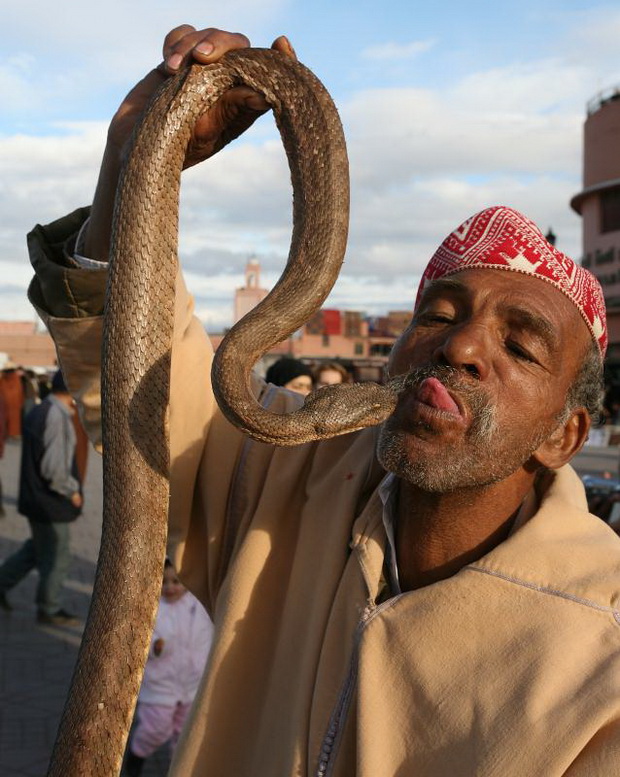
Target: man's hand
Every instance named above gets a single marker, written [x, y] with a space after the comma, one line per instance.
[76, 499]
[233, 113]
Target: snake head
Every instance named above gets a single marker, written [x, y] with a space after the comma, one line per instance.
[343, 408]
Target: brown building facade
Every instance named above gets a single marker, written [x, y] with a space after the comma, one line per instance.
[249, 295]
[23, 344]
[599, 204]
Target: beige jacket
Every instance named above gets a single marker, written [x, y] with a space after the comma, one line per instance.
[511, 668]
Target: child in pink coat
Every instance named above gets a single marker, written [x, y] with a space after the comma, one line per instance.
[179, 649]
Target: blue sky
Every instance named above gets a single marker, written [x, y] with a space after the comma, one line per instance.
[447, 108]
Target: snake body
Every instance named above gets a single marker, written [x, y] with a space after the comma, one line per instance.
[137, 345]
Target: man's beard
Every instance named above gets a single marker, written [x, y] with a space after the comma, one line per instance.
[487, 455]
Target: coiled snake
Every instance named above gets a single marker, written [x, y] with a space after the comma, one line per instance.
[136, 372]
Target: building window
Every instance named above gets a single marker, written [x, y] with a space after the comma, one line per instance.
[325, 341]
[358, 349]
[380, 349]
[610, 210]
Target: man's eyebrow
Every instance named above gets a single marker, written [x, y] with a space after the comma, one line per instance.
[440, 285]
[535, 323]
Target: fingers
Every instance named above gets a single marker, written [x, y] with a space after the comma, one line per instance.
[185, 44]
[283, 45]
[251, 99]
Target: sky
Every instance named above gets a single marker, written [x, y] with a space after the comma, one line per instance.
[447, 108]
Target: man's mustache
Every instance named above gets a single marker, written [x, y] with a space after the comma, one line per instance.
[451, 377]
[469, 391]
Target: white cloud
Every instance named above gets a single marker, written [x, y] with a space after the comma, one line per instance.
[593, 39]
[397, 51]
[90, 52]
[422, 160]
[85, 25]
[418, 132]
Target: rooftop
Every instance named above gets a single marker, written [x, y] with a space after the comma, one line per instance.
[603, 97]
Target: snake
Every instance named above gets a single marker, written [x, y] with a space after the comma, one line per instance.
[136, 357]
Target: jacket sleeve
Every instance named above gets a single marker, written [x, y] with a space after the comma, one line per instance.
[70, 303]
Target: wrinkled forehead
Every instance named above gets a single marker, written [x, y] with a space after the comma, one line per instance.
[477, 281]
[503, 290]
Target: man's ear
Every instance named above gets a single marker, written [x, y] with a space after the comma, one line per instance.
[565, 441]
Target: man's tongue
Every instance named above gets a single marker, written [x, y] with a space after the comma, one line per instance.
[432, 392]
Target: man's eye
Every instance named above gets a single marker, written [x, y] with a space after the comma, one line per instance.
[434, 318]
[518, 351]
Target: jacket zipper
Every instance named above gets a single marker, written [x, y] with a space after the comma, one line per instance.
[331, 740]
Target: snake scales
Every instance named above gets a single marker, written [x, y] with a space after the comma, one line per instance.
[136, 372]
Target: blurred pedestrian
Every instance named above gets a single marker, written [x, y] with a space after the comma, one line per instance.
[179, 649]
[31, 391]
[50, 496]
[3, 436]
[44, 382]
[13, 392]
[331, 373]
[291, 374]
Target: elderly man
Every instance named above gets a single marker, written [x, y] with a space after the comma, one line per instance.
[458, 615]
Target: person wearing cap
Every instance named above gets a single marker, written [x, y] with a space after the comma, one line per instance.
[292, 374]
[50, 496]
[427, 598]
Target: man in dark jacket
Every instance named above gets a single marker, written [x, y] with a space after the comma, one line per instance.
[50, 496]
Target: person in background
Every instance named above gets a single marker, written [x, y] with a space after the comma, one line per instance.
[13, 392]
[44, 385]
[179, 650]
[330, 373]
[50, 496]
[3, 436]
[31, 391]
[291, 374]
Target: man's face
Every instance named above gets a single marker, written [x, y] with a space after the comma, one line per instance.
[486, 363]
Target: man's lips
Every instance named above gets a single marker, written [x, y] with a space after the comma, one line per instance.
[433, 393]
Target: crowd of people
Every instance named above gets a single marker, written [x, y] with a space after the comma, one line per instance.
[295, 375]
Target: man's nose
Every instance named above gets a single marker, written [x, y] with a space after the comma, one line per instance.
[467, 347]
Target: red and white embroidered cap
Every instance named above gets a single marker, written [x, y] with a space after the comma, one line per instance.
[501, 238]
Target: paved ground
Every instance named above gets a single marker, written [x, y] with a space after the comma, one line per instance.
[36, 662]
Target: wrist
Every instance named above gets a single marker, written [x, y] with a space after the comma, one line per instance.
[96, 237]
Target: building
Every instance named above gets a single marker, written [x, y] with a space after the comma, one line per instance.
[249, 295]
[598, 203]
[22, 344]
[332, 334]
[362, 344]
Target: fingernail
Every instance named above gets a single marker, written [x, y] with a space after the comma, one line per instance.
[204, 48]
[174, 61]
[288, 44]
